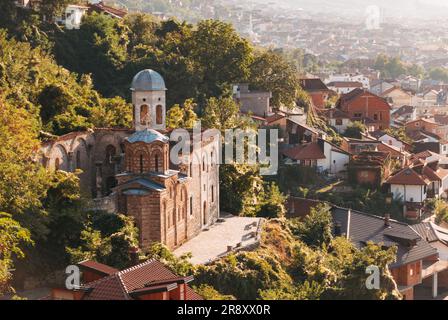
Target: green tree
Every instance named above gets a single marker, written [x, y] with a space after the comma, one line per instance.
[221, 114]
[111, 248]
[179, 265]
[439, 73]
[222, 57]
[271, 72]
[12, 238]
[273, 204]
[316, 229]
[182, 116]
[355, 129]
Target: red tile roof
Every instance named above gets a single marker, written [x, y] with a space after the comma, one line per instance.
[96, 266]
[121, 284]
[408, 176]
[274, 118]
[310, 151]
[345, 84]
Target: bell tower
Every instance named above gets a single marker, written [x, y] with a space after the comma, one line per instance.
[149, 100]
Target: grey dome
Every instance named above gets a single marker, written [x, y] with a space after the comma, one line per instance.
[148, 80]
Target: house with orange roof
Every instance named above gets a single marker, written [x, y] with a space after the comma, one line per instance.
[150, 280]
[320, 154]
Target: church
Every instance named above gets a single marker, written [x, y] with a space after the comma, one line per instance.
[128, 170]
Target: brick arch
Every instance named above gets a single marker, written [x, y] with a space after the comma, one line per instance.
[59, 158]
[140, 160]
[80, 154]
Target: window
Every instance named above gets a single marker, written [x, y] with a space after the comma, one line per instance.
[191, 206]
[159, 114]
[339, 122]
[375, 117]
[156, 160]
[78, 159]
[111, 151]
[57, 164]
[191, 169]
[213, 194]
[144, 115]
[357, 115]
[141, 163]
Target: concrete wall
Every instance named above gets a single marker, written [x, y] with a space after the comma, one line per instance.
[409, 193]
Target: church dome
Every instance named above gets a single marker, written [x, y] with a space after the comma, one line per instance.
[148, 80]
[147, 136]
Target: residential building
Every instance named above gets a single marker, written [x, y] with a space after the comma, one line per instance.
[415, 256]
[150, 280]
[251, 101]
[322, 155]
[397, 97]
[317, 90]
[73, 16]
[336, 118]
[342, 87]
[370, 168]
[364, 106]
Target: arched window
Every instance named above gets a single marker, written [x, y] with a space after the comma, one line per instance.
[156, 160]
[111, 151]
[144, 115]
[159, 114]
[174, 215]
[203, 164]
[191, 206]
[141, 163]
[78, 160]
[213, 193]
[57, 164]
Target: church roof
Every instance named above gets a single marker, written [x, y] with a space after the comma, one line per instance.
[148, 80]
[144, 183]
[147, 136]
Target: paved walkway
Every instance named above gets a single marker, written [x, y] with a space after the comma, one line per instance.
[212, 244]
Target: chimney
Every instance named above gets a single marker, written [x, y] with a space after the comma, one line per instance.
[337, 229]
[133, 255]
[387, 220]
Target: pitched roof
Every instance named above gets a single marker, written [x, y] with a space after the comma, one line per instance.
[334, 113]
[98, 267]
[315, 84]
[408, 176]
[309, 151]
[345, 84]
[361, 228]
[122, 285]
[274, 117]
[431, 232]
[101, 7]
[403, 110]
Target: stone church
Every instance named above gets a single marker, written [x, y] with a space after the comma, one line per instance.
[128, 170]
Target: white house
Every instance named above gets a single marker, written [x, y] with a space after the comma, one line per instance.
[417, 183]
[322, 155]
[409, 186]
[343, 87]
[73, 16]
[388, 139]
[337, 119]
[364, 80]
